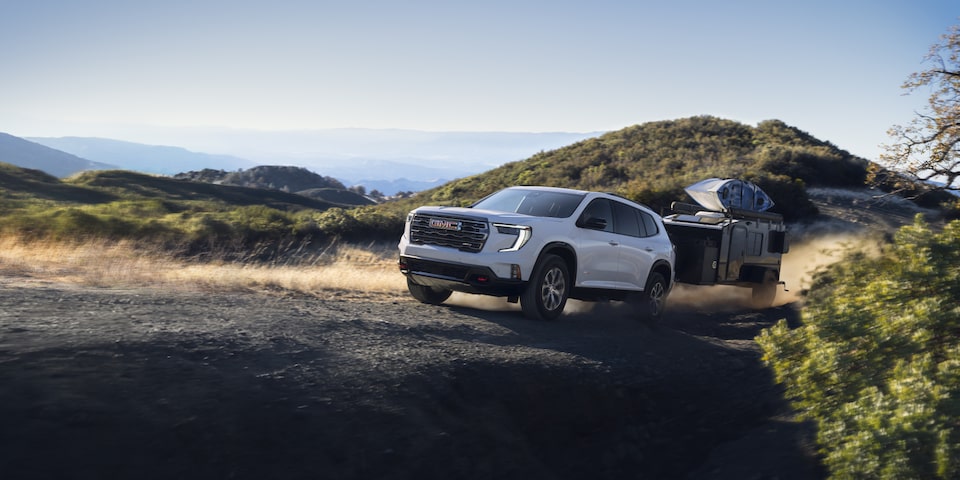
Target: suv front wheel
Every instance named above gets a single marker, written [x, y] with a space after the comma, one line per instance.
[548, 289]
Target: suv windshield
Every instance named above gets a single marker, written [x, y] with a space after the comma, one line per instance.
[538, 203]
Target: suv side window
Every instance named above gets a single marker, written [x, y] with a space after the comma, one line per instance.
[625, 220]
[598, 209]
[650, 225]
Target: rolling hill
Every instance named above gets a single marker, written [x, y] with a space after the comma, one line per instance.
[186, 216]
[126, 184]
[285, 178]
[653, 162]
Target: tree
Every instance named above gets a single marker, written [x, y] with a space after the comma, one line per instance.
[929, 147]
[876, 363]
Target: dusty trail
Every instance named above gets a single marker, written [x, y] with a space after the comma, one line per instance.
[149, 384]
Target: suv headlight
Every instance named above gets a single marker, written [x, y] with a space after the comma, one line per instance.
[522, 232]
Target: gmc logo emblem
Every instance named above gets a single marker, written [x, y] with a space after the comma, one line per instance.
[445, 224]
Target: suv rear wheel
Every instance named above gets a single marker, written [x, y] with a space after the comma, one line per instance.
[546, 293]
[433, 296]
[651, 302]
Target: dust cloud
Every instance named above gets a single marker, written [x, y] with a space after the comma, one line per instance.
[482, 302]
[812, 248]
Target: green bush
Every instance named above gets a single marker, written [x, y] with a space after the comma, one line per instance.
[257, 222]
[336, 222]
[876, 363]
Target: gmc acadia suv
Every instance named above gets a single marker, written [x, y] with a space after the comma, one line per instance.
[540, 245]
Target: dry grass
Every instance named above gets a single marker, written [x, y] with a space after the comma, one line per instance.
[339, 269]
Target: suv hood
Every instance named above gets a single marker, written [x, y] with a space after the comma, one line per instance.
[475, 212]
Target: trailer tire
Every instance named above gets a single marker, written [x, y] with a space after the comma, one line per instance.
[765, 292]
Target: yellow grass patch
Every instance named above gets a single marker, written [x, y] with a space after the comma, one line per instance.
[338, 270]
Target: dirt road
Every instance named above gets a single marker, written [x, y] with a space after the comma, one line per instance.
[100, 383]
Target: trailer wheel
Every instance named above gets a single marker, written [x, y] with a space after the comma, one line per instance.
[765, 292]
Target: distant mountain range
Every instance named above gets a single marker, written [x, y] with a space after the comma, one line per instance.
[64, 156]
[27, 154]
[387, 160]
[137, 157]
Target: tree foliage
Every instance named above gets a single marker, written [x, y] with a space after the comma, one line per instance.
[929, 147]
[274, 177]
[876, 363]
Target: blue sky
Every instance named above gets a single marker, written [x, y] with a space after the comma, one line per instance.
[100, 67]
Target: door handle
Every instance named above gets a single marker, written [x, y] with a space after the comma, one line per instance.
[613, 244]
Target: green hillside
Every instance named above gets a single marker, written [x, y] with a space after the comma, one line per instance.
[159, 210]
[652, 163]
[19, 184]
[128, 184]
[284, 178]
[338, 196]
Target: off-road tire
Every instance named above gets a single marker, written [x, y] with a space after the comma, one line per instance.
[546, 293]
[425, 294]
[651, 302]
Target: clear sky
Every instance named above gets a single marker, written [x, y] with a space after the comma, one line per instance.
[830, 67]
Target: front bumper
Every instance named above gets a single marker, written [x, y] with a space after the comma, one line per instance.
[459, 277]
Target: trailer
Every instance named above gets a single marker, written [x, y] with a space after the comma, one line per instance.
[729, 238]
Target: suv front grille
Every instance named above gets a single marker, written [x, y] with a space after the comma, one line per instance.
[463, 233]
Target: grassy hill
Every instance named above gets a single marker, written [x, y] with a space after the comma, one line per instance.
[126, 205]
[285, 178]
[652, 163]
[126, 184]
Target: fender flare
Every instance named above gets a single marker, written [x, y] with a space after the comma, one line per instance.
[566, 252]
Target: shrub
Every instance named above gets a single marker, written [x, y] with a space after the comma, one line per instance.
[876, 363]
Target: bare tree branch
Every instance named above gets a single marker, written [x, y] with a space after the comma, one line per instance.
[929, 148]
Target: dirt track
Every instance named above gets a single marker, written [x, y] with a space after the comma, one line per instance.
[149, 384]
[100, 383]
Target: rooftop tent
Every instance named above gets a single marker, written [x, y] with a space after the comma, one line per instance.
[722, 194]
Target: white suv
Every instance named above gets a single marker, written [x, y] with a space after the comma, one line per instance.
[540, 245]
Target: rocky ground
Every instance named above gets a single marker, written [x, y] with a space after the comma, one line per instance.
[101, 383]
[145, 383]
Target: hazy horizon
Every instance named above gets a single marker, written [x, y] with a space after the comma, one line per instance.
[121, 70]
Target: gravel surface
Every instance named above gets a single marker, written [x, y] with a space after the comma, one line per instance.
[108, 383]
